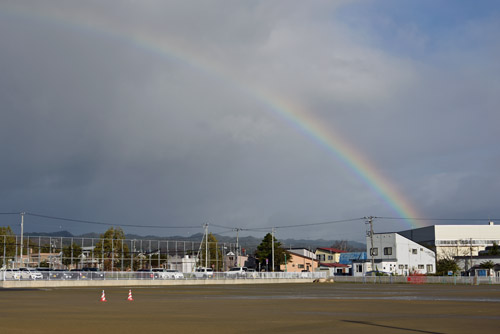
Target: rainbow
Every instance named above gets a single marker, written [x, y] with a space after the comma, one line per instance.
[295, 115]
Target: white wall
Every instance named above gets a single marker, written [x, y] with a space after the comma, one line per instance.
[400, 255]
[456, 240]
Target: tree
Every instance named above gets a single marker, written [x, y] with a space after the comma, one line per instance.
[112, 248]
[487, 264]
[345, 246]
[71, 254]
[214, 253]
[444, 266]
[265, 249]
[494, 250]
[7, 244]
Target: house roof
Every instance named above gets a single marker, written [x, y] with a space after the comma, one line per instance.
[331, 250]
[333, 265]
[302, 256]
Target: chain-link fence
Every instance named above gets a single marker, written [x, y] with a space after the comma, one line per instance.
[110, 255]
[470, 280]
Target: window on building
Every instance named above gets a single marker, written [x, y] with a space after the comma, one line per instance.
[300, 266]
[421, 266]
[406, 266]
[374, 251]
[359, 268]
[414, 251]
[388, 251]
[401, 266]
[429, 268]
[330, 257]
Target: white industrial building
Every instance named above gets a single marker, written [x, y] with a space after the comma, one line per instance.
[450, 241]
[395, 255]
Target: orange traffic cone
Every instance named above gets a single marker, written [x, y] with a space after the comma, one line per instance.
[130, 296]
[103, 297]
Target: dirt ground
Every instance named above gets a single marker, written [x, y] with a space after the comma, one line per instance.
[276, 308]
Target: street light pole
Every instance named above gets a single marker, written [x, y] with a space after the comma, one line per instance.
[22, 232]
[272, 239]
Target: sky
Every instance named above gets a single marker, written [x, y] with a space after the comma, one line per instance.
[249, 115]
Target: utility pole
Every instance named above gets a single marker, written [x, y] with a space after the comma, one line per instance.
[22, 232]
[206, 245]
[470, 245]
[370, 234]
[237, 247]
[272, 243]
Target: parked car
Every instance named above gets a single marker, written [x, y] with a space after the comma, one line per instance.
[251, 273]
[202, 272]
[160, 273]
[175, 274]
[147, 274]
[60, 274]
[10, 274]
[27, 273]
[236, 272]
[91, 273]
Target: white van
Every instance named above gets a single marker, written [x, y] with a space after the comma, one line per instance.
[203, 272]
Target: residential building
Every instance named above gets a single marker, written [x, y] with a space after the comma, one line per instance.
[335, 268]
[396, 255]
[449, 241]
[299, 260]
[328, 255]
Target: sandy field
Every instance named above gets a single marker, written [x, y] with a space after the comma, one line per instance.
[276, 308]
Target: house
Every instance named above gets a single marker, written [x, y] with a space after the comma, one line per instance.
[230, 260]
[347, 259]
[300, 260]
[466, 263]
[328, 255]
[394, 254]
[455, 240]
[478, 270]
[335, 269]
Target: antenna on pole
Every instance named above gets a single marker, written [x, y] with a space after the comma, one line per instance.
[369, 233]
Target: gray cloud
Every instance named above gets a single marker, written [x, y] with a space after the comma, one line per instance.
[98, 126]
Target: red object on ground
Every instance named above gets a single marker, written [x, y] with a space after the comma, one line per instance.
[130, 296]
[103, 297]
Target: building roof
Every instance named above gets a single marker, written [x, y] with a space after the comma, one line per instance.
[302, 256]
[333, 265]
[331, 250]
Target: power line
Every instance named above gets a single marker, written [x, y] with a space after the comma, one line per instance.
[439, 219]
[263, 229]
[323, 223]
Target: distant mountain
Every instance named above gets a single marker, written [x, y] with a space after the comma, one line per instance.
[65, 234]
